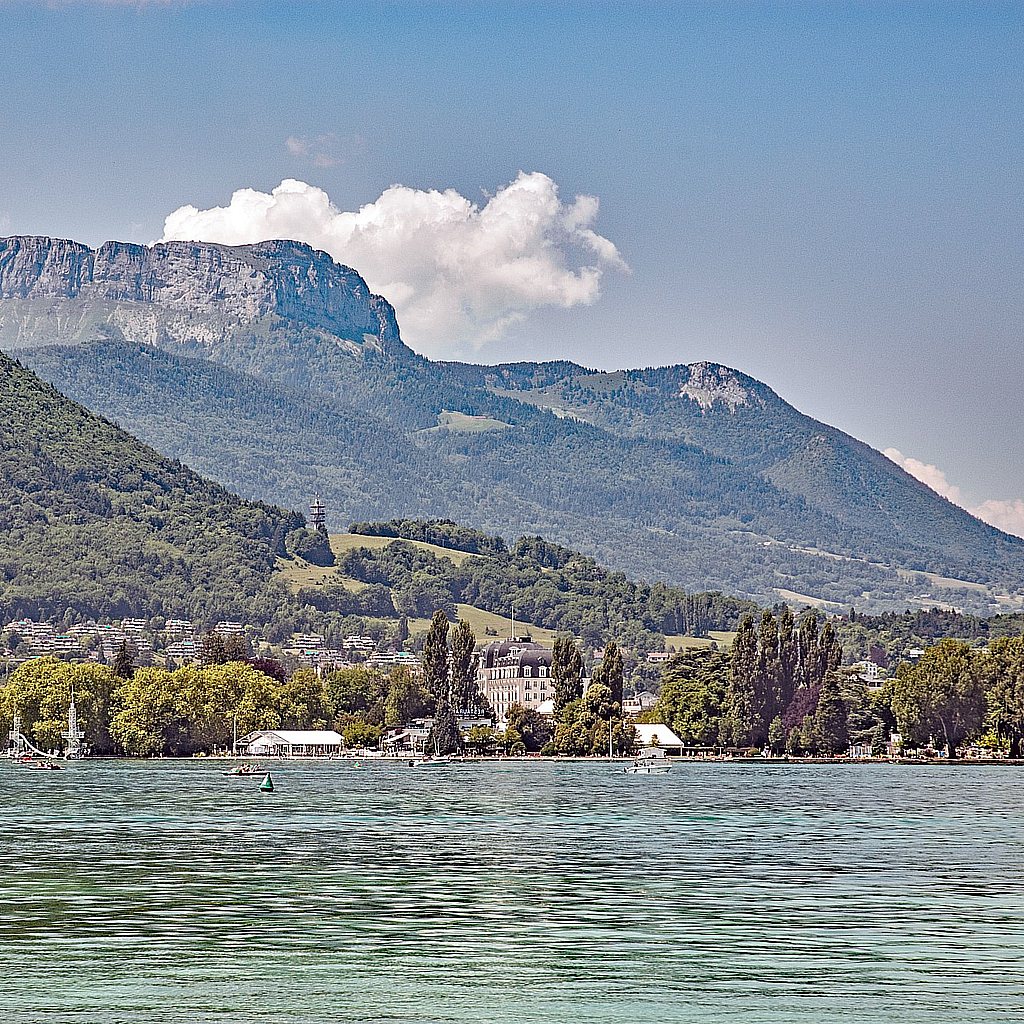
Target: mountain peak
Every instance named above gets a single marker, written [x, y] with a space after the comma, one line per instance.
[190, 292]
[708, 383]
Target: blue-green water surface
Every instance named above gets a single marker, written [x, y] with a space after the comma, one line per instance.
[520, 892]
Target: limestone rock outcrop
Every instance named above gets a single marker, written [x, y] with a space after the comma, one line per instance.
[190, 292]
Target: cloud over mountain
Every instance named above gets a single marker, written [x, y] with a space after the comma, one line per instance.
[1004, 514]
[459, 273]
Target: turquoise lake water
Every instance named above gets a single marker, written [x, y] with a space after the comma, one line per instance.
[159, 892]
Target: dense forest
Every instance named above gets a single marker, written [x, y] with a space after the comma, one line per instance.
[92, 519]
[441, 532]
[548, 585]
[887, 639]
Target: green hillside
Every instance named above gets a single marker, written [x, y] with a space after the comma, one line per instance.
[386, 571]
[95, 523]
[657, 509]
[92, 519]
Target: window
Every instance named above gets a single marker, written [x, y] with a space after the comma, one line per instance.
[543, 671]
[527, 670]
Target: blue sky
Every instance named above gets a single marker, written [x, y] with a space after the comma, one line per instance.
[824, 196]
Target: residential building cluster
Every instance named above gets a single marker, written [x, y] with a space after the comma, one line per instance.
[98, 641]
[176, 642]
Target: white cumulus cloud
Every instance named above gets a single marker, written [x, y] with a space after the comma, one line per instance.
[459, 273]
[1004, 514]
[1007, 515]
[928, 474]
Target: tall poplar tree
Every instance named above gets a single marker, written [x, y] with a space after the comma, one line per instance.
[741, 714]
[436, 674]
[612, 671]
[830, 651]
[464, 689]
[767, 678]
[437, 678]
[566, 672]
[807, 651]
[788, 658]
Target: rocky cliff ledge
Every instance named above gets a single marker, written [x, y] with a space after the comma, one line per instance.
[193, 291]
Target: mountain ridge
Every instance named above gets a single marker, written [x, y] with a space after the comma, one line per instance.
[696, 473]
[235, 284]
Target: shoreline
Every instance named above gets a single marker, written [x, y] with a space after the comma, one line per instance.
[748, 762]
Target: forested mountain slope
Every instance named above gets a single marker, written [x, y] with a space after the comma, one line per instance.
[275, 371]
[730, 415]
[92, 519]
[661, 509]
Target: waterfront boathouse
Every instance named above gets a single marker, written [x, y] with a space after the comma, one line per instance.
[293, 743]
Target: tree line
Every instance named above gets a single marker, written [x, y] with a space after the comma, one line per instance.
[147, 712]
[783, 688]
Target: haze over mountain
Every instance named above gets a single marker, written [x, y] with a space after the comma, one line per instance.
[274, 370]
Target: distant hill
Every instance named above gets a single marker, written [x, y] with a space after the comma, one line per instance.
[412, 567]
[274, 370]
[92, 519]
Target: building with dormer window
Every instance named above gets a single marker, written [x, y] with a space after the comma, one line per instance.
[515, 671]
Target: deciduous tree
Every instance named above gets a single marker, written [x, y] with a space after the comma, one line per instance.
[1003, 670]
[942, 697]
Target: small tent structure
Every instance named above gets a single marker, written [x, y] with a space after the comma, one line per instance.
[293, 743]
[660, 736]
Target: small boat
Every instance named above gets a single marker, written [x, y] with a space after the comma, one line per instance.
[429, 762]
[648, 766]
[244, 769]
[45, 766]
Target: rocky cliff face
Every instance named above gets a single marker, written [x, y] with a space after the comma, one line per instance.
[189, 292]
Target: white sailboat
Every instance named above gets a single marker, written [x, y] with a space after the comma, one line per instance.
[73, 735]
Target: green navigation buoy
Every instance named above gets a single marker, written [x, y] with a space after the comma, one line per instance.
[267, 785]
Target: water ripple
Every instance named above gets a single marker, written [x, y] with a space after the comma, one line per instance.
[165, 892]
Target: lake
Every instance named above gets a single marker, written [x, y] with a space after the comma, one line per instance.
[166, 891]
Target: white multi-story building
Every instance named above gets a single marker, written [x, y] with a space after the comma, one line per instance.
[389, 659]
[638, 703]
[186, 649]
[515, 671]
[364, 644]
